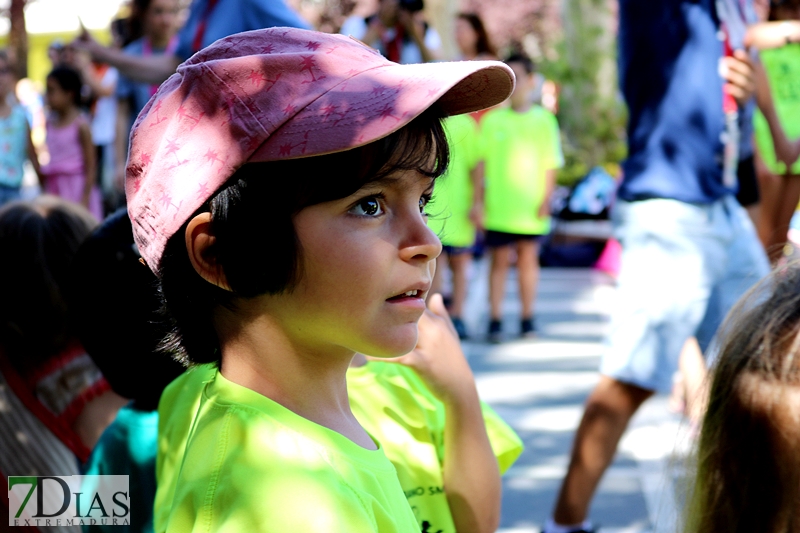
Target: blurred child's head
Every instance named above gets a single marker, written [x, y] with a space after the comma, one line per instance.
[784, 10]
[241, 178]
[54, 52]
[7, 77]
[471, 36]
[39, 240]
[114, 305]
[524, 71]
[748, 475]
[157, 20]
[63, 88]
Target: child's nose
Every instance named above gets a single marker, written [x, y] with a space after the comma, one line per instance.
[421, 243]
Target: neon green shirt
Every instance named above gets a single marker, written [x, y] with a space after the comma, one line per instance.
[395, 406]
[176, 413]
[518, 148]
[452, 196]
[782, 66]
[252, 465]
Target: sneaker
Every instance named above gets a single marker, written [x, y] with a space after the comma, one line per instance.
[527, 329]
[461, 329]
[495, 331]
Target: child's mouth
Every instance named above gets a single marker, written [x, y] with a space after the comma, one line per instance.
[408, 294]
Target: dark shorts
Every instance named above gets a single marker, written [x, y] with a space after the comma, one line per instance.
[748, 185]
[456, 250]
[500, 238]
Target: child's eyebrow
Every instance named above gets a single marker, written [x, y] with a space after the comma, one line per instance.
[393, 180]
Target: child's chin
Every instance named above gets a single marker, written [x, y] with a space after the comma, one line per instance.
[395, 347]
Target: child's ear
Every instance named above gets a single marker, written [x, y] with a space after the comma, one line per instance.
[200, 247]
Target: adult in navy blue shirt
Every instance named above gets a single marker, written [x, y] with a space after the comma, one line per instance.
[208, 21]
[689, 249]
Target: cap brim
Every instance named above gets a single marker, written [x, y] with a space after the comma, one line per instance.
[374, 103]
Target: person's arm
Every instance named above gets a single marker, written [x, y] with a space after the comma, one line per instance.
[549, 187]
[152, 69]
[89, 162]
[416, 33]
[33, 157]
[101, 86]
[739, 75]
[785, 151]
[476, 175]
[772, 34]
[121, 141]
[471, 473]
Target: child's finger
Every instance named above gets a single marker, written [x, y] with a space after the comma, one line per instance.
[436, 306]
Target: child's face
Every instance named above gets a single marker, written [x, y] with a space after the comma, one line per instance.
[162, 18]
[360, 255]
[524, 86]
[466, 37]
[6, 79]
[56, 97]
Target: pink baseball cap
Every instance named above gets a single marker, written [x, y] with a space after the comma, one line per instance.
[278, 93]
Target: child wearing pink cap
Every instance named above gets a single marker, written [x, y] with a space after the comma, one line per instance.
[277, 185]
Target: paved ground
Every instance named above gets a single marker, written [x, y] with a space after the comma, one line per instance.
[539, 387]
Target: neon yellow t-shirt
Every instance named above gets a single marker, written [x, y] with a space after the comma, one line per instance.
[176, 414]
[252, 465]
[396, 407]
[452, 196]
[518, 149]
[782, 66]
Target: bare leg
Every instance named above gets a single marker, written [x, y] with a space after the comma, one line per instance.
[754, 211]
[608, 411]
[693, 369]
[497, 279]
[769, 186]
[459, 263]
[528, 274]
[790, 194]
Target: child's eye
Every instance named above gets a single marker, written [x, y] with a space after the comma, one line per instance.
[423, 202]
[370, 207]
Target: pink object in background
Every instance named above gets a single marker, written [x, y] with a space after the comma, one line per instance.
[609, 260]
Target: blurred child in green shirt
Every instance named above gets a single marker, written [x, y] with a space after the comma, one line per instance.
[521, 151]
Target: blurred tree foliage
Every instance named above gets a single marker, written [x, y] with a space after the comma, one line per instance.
[591, 112]
[17, 37]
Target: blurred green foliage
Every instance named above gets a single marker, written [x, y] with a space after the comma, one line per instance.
[591, 113]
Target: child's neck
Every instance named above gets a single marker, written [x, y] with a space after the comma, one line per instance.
[159, 42]
[308, 380]
[5, 108]
[65, 116]
[521, 107]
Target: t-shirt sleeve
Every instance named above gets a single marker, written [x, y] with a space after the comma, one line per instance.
[354, 26]
[272, 13]
[553, 156]
[432, 41]
[506, 444]
[111, 78]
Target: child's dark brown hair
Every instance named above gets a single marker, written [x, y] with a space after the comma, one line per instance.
[748, 463]
[38, 240]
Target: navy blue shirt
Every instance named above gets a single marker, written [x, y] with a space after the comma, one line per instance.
[668, 63]
[234, 16]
